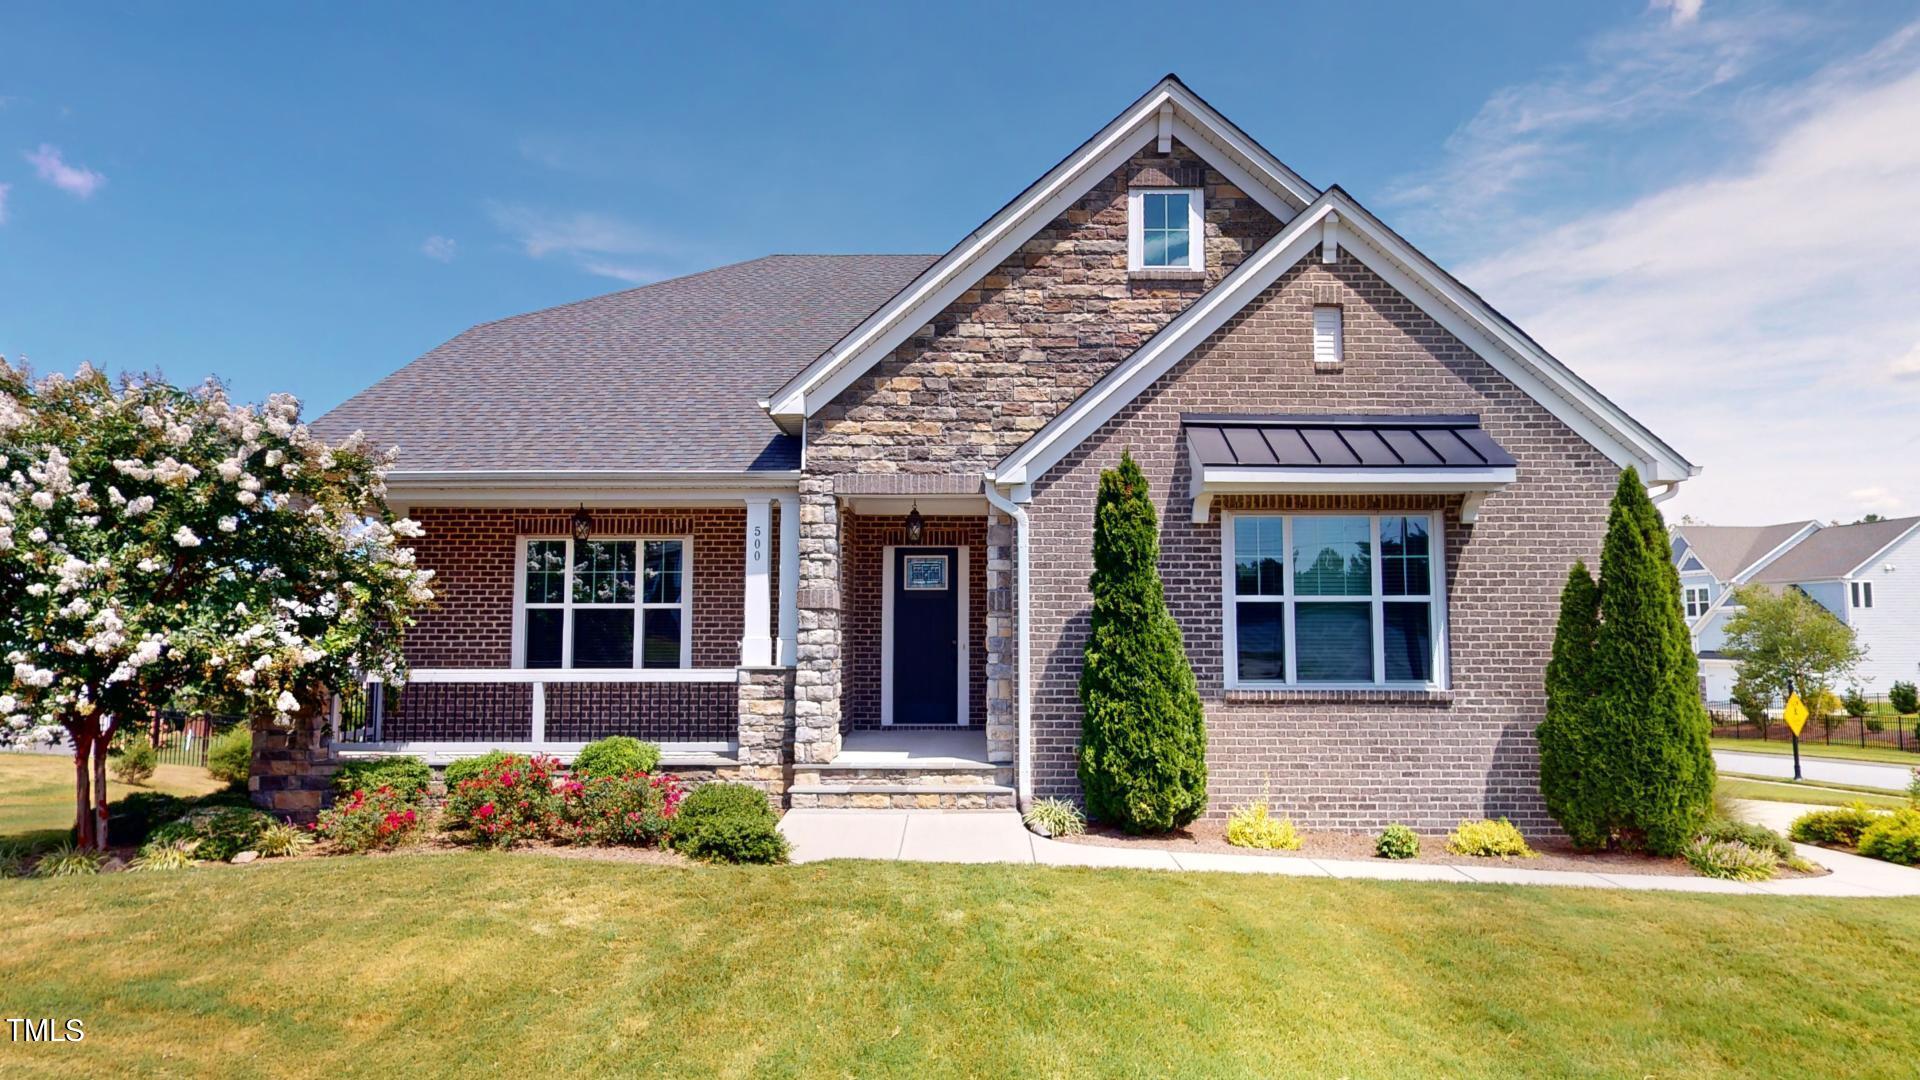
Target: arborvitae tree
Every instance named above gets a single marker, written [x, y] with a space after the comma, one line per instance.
[1572, 771]
[1143, 739]
[1645, 713]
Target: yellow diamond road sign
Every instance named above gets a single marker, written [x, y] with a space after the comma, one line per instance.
[1795, 714]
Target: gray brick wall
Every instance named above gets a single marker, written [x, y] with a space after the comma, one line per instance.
[1339, 760]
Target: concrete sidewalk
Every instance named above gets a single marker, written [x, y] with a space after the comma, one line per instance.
[997, 836]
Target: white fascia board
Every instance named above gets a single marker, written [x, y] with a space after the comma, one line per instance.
[1621, 438]
[1746, 573]
[1221, 479]
[1198, 127]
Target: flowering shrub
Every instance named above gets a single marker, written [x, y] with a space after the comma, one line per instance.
[633, 808]
[364, 821]
[512, 801]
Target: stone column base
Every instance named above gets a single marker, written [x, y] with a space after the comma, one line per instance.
[766, 729]
[293, 768]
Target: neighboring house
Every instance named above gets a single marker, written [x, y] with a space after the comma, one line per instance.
[1854, 571]
[823, 522]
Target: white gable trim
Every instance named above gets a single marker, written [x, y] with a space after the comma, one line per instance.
[1463, 315]
[1884, 551]
[1746, 573]
[1281, 191]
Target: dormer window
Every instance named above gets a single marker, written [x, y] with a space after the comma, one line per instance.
[1166, 230]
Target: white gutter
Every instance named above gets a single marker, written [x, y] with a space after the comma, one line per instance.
[1667, 491]
[1022, 697]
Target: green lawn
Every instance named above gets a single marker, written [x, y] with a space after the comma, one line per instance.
[442, 964]
[1813, 747]
[36, 793]
[1739, 786]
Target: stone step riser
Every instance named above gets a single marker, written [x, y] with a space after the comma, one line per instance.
[908, 777]
[901, 800]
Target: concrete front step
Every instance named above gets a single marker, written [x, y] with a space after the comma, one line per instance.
[916, 775]
[900, 796]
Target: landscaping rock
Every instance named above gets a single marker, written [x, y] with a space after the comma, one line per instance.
[244, 857]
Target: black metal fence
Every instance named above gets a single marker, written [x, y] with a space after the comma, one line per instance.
[182, 738]
[1880, 727]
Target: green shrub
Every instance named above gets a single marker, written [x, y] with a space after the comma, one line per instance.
[1874, 725]
[1572, 771]
[1731, 859]
[1254, 826]
[407, 775]
[1895, 838]
[727, 823]
[134, 759]
[1143, 736]
[1839, 827]
[1055, 817]
[616, 755]
[217, 833]
[1855, 703]
[366, 820]
[468, 768]
[627, 808]
[1904, 697]
[1397, 842]
[510, 800]
[67, 860]
[1488, 839]
[230, 758]
[281, 840]
[1913, 788]
[173, 855]
[1721, 829]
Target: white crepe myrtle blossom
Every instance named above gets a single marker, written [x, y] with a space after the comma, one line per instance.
[144, 536]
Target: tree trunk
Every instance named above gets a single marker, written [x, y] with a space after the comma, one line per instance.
[82, 788]
[100, 791]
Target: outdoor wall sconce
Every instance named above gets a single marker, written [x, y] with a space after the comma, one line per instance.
[582, 524]
[915, 523]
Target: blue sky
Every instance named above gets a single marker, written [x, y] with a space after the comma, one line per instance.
[1711, 212]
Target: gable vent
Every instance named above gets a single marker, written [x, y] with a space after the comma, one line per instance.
[1327, 344]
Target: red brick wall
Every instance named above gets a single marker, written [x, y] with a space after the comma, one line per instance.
[1331, 759]
[471, 551]
[863, 554]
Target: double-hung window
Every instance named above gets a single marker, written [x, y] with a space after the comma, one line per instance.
[1696, 600]
[1333, 601]
[604, 604]
[1166, 229]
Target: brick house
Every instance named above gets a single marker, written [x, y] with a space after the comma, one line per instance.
[822, 522]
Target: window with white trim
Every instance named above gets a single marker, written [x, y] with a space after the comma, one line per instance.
[1863, 594]
[1166, 229]
[604, 604]
[1328, 348]
[1696, 599]
[1309, 604]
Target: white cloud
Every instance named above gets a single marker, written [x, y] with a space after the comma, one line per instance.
[439, 248]
[1752, 317]
[1679, 12]
[597, 243]
[76, 180]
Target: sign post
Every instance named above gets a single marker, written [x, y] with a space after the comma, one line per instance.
[1795, 714]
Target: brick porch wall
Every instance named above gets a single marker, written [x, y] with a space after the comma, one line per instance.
[1335, 760]
[471, 551]
[863, 554]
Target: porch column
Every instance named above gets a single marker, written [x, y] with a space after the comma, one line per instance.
[816, 693]
[756, 648]
[789, 579]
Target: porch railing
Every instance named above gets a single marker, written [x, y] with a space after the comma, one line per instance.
[545, 708]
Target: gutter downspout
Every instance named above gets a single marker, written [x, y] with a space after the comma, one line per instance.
[1667, 491]
[1022, 698]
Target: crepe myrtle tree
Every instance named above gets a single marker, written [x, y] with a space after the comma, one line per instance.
[157, 541]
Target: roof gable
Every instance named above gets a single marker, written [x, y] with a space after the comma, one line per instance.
[1837, 551]
[1732, 552]
[1334, 221]
[1169, 111]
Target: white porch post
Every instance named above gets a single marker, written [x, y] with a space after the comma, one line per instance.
[756, 647]
[789, 580]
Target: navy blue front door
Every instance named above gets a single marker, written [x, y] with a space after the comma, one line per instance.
[926, 635]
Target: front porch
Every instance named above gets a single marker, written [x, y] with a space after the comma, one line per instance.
[918, 769]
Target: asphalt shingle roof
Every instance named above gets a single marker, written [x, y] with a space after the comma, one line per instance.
[1833, 552]
[663, 377]
[1725, 550]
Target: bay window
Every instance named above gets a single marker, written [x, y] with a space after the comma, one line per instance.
[1334, 601]
[603, 604]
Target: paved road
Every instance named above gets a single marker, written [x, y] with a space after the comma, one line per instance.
[1859, 773]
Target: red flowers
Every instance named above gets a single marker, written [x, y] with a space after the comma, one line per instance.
[362, 822]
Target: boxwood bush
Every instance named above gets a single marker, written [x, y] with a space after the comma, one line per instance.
[727, 823]
[1489, 839]
[407, 775]
[616, 755]
[1895, 838]
[468, 768]
[1840, 826]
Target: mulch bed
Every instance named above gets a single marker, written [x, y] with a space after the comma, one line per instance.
[1211, 836]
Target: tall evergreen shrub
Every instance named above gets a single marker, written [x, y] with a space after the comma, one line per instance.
[1143, 740]
[1637, 749]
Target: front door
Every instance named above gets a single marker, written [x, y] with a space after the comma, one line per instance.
[926, 635]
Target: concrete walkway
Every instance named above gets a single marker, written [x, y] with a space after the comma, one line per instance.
[1832, 770]
[996, 836]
